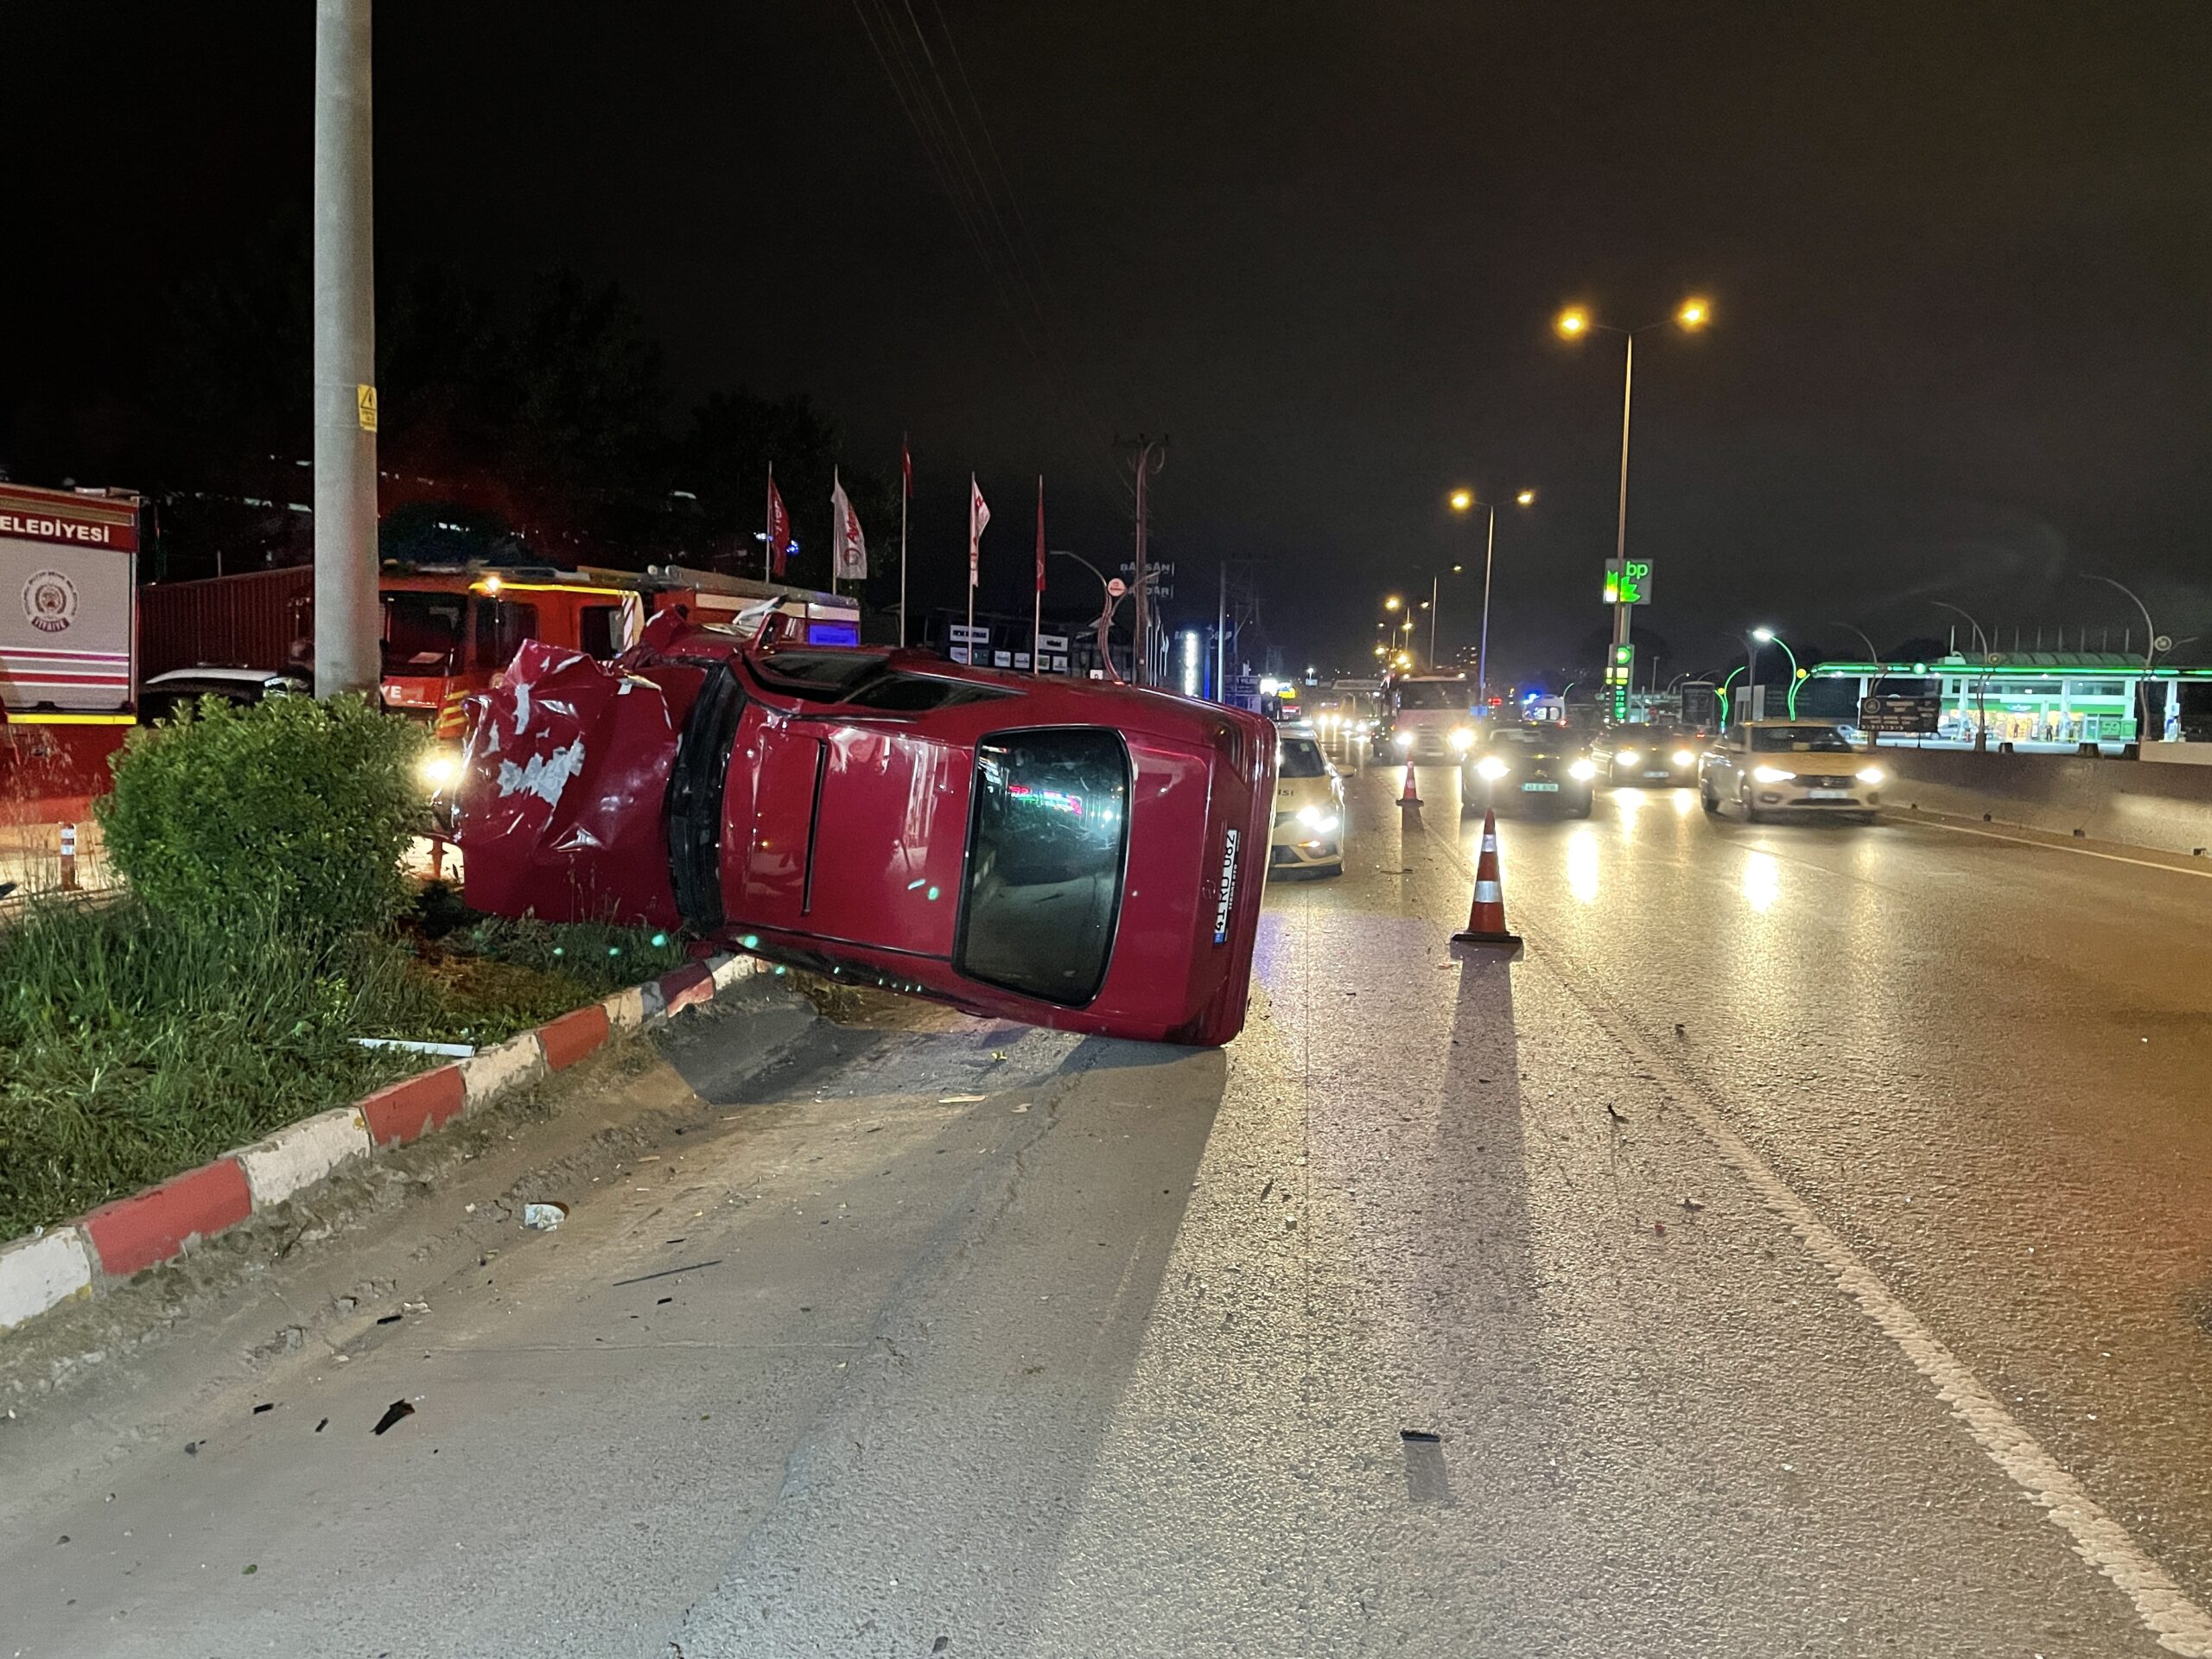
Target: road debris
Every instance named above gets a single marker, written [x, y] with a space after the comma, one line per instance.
[324, 1424]
[1692, 1205]
[268, 1405]
[397, 1412]
[1420, 1436]
[544, 1218]
[960, 1100]
[689, 1267]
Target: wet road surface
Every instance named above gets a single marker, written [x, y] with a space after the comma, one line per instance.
[1803, 1248]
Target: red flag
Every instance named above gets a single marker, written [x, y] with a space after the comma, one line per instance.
[905, 467]
[978, 516]
[1040, 532]
[779, 528]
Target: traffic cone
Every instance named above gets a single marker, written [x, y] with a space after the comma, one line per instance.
[1408, 796]
[1486, 919]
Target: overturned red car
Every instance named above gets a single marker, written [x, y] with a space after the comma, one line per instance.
[1069, 853]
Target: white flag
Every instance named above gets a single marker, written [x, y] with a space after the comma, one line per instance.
[845, 524]
[978, 516]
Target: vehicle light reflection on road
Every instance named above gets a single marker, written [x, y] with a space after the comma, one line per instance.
[1684, 802]
[1582, 864]
[1762, 881]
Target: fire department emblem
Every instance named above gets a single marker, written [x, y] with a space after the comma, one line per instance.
[50, 600]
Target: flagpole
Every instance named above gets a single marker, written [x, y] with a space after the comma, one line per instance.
[768, 540]
[838, 539]
[906, 492]
[1037, 604]
[972, 556]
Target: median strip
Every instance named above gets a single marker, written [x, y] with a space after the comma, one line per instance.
[131, 1234]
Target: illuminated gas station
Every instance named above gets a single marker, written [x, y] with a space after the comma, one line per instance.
[2025, 698]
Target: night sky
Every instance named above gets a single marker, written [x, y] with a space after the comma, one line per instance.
[1960, 259]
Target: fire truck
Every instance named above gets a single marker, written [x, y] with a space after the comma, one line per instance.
[448, 632]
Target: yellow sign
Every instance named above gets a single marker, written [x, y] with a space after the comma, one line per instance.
[364, 404]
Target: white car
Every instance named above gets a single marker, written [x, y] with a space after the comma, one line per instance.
[1309, 807]
[1772, 766]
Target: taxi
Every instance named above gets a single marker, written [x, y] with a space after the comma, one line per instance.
[1309, 808]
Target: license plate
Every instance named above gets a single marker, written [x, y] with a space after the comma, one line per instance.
[1542, 789]
[1655, 774]
[1828, 794]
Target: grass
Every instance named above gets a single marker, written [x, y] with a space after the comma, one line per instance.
[133, 1045]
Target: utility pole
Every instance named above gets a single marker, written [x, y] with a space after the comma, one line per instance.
[1221, 635]
[1151, 455]
[346, 624]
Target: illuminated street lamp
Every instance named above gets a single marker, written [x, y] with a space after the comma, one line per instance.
[1574, 324]
[1392, 603]
[1463, 501]
[1768, 636]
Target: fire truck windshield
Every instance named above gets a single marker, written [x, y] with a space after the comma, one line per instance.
[422, 633]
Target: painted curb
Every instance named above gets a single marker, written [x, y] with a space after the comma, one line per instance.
[302, 1153]
[160, 1223]
[515, 1064]
[409, 1110]
[37, 1273]
[148, 1228]
[573, 1037]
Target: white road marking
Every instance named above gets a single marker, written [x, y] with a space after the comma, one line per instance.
[2165, 1609]
[2052, 846]
[2181, 1625]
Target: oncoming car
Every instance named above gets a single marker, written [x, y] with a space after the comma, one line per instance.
[1634, 753]
[1768, 766]
[1309, 809]
[1067, 853]
[1540, 765]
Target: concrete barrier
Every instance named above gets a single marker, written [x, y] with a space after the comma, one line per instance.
[2167, 808]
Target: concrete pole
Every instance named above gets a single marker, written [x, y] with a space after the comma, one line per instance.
[346, 624]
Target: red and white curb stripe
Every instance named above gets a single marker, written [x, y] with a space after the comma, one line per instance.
[119, 1239]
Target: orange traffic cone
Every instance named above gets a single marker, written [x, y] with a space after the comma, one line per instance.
[1486, 919]
[1408, 796]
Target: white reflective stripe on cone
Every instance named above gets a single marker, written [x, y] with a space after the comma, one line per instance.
[1487, 893]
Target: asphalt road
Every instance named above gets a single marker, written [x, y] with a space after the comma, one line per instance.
[1803, 1248]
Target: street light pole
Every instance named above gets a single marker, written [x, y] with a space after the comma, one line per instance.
[1572, 324]
[1482, 641]
[2149, 649]
[1981, 683]
[1435, 594]
[1622, 609]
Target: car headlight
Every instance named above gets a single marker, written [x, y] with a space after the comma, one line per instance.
[1491, 767]
[1870, 774]
[1403, 740]
[1463, 739]
[1684, 757]
[1583, 769]
[1311, 817]
[1771, 774]
[1629, 757]
[438, 771]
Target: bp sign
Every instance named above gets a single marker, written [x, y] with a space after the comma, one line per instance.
[1628, 582]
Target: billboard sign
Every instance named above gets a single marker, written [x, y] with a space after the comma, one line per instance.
[1906, 716]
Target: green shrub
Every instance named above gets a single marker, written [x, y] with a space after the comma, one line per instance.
[135, 1044]
[293, 809]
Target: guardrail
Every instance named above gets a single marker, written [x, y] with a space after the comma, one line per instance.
[2134, 802]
